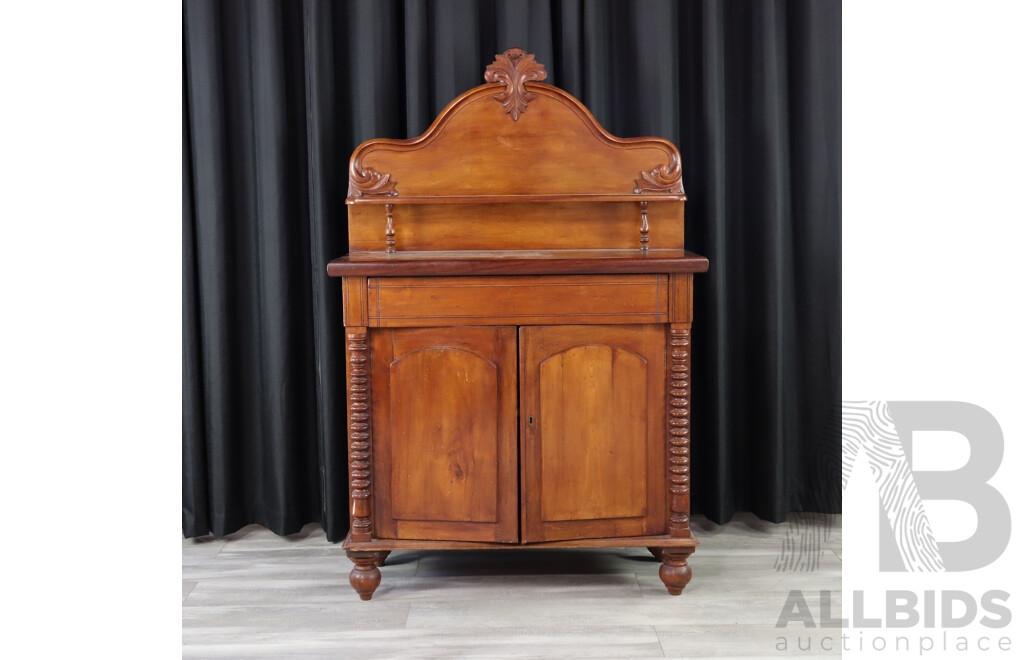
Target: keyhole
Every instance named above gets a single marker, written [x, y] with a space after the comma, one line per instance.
[531, 419]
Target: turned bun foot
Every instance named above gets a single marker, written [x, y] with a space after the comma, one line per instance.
[674, 571]
[657, 553]
[365, 577]
[382, 555]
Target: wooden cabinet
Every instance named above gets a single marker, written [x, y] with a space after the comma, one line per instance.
[517, 303]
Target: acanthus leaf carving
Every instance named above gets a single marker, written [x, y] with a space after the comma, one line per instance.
[370, 183]
[662, 179]
[515, 67]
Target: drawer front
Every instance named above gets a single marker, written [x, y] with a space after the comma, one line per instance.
[520, 300]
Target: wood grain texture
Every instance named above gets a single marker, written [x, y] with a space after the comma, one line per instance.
[473, 149]
[681, 297]
[354, 301]
[592, 416]
[517, 262]
[515, 225]
[520, 300]
[445, 433]
[592, 434]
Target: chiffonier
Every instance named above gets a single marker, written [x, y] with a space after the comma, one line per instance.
[517, 309]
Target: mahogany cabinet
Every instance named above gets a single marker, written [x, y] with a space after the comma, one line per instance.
[517, 305]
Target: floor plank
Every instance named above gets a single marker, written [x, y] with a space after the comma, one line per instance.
[745, 641]
[254, 594]
[551, 642]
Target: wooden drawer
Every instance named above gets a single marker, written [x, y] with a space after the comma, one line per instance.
[519, 300]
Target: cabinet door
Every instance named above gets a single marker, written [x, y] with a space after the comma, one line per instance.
[593, 431]
[444, 434]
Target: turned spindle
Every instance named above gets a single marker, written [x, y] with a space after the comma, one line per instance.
[389, 227]
[644, 227]
[359, 434]
[679, 430]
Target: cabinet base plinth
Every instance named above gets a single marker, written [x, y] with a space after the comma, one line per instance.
[671, 551]
[653, 542]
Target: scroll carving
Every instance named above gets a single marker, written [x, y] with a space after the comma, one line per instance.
[679, 430]
[515, 67]
[369, 183]
[359, 434]
[662, 179]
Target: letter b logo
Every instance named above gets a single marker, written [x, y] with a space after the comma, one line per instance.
[883, 431]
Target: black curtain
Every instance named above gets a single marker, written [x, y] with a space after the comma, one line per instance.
[276, 96]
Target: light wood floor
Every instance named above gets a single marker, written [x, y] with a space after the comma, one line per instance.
[255, 594]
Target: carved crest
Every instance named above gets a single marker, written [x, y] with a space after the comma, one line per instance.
[515, 67]
[370, 183]
[662, 179]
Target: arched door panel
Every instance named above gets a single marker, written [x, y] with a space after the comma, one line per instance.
[593, 439]
[445, 434]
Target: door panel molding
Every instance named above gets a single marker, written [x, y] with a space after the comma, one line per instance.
[592, 431]
[444, 418]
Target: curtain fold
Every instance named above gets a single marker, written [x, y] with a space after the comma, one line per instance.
[276, 97]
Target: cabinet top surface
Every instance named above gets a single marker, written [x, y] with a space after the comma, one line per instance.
[517, 262]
